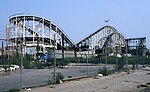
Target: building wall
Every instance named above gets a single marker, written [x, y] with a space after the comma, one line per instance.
[58, 54]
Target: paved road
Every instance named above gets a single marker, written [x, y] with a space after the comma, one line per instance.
[121, 82]
[36, 77]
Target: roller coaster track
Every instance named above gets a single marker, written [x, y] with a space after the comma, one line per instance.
[17, 19]
[106, 36]
[95, 33]
[108, 39]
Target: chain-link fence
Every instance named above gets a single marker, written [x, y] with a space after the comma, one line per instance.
[45, 71]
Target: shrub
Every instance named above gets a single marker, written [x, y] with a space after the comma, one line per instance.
[59, 77]
[104, 71]
[6, 69]
[14, 90]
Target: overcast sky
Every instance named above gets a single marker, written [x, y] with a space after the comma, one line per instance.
[79, 18]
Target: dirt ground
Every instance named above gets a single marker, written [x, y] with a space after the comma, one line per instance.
[136, 81]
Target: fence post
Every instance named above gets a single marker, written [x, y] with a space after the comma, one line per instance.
[54, 61]
[87, 64]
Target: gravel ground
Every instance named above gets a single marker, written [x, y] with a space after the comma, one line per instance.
[120, 82]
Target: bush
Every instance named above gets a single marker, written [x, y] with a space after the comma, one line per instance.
[105, 72]
[6, 69]
[126, 70]
[14, 90]
[59, 77]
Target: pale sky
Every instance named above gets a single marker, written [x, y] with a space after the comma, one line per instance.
[79, 18]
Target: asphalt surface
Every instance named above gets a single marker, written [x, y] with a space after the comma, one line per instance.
[120, 82]
[37, 77]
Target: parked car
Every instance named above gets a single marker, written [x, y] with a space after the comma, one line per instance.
[15, 66]
[9, 67]
[12, 68]
[2, 69]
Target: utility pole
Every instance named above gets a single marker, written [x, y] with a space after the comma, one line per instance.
[136, 57]
[126, 50]
[37, 48]
[143, 54]
[63, 49]
[54, 61]
[116, 58]
[105, 57]
[87, 63]
[21, 62]
[2, 50]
